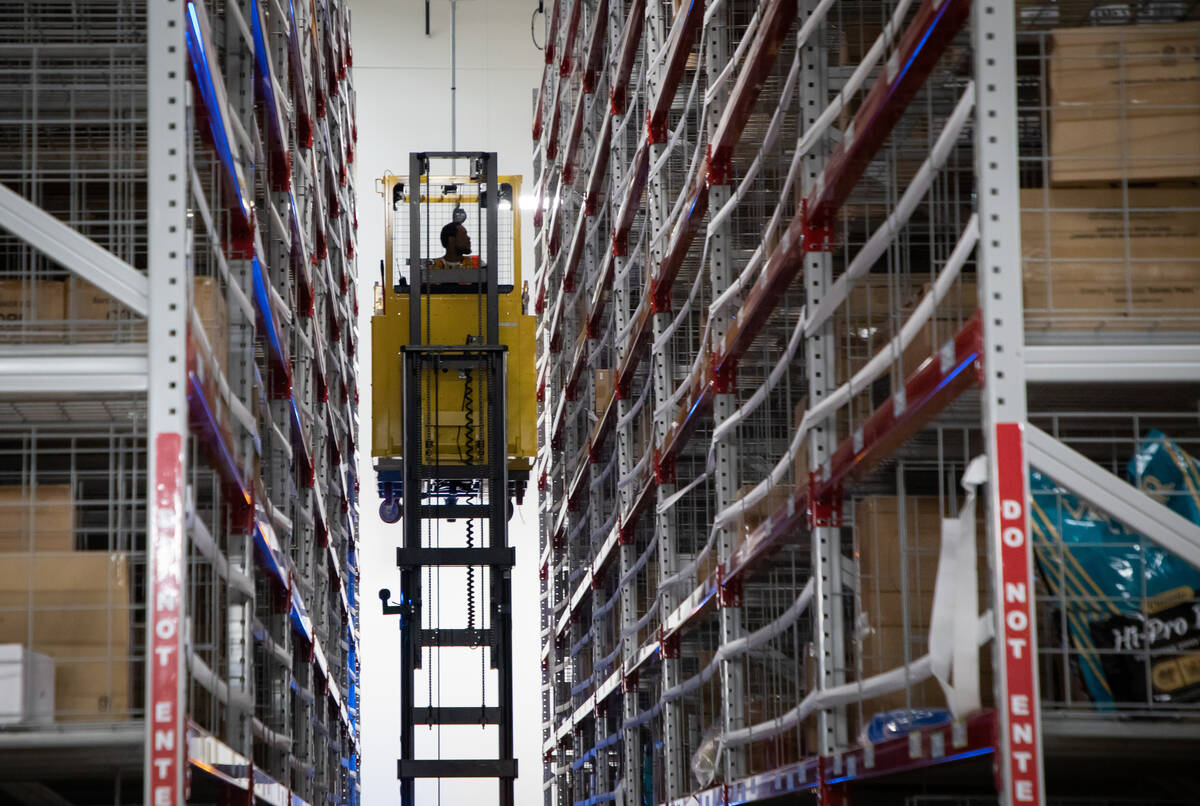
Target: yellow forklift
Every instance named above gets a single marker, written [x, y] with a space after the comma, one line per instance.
[454, 422]
[453, 313]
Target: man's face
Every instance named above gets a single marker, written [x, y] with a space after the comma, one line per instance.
[462, 241]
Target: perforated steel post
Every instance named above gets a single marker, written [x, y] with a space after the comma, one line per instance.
[164, 754]
[727, 474]
[1004, 412]
[662, 376]
[820, 350]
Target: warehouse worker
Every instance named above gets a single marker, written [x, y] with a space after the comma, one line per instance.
[457, 243]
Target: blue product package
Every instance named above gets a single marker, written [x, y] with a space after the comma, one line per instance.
[890, 724]
[1130, 606]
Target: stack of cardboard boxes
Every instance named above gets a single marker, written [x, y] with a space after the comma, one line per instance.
[1113, 242]
[73, 606]
[47, 311]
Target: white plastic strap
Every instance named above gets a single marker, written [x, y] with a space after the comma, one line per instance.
[954, 660]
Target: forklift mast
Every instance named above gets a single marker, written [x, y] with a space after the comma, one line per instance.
[445, 344]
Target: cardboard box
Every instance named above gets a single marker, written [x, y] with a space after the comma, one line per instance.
[800, 469]
[209, 301]
[36, 307]
[26, 686]
[40, 518]
[883, 595]
[1070, 237]
[91, 682]
[1074, 243]
[1125, 103]
[81, 617]
[87, 303]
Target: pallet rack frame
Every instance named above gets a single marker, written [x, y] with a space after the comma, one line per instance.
[279, 59]
[988, 353]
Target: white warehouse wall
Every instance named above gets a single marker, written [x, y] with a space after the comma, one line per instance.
[402, 79]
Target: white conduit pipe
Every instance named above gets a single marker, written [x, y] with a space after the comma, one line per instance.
[847, 693]
[673, 400]
[745, 644]
[760, 394]
[675, 135]
[633, 253]
[874, 248]
[768, 143]
[633, 628]
[239, 410]
[677, 132]
[638, 565]
[874, 368]
[684, 310]
[684, 574]
[727, 652]
[604, 474]
[601, 341]
[747, 37]
[600, 534]
[635, 472]
[673, 216]
[809, 139]
[675, 496]
[625, 419]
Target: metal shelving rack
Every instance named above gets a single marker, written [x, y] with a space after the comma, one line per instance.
[780, 295]
[179, 200]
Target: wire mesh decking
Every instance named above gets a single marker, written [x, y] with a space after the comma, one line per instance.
[764, 375]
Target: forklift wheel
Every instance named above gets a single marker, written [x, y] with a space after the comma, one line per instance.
[389, 510]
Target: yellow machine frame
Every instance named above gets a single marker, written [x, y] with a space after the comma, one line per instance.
[451, 317]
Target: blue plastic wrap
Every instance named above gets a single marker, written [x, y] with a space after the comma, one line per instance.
[1131, 607]
[892, 724]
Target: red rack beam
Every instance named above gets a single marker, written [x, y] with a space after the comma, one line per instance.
[631, 40]
[782, 267]
[552, 33]
[591, 195]
[552, 143]
[578, 362]
[681, 241]
[922, 44]
[639, 172]
[927, 393]
[564, 68]
[680, 41]
[600, 295]
[573, 137]
[575, 253]
[776, 22]
[595, 49]
[639, 342]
